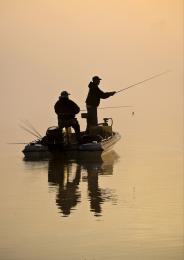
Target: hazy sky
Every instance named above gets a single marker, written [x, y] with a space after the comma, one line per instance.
[50, 46]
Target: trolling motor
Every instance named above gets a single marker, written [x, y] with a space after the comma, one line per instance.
[106, 120]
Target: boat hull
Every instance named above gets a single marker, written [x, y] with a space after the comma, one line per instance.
[35, 149]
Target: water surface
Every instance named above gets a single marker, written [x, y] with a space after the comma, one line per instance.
[124, 204]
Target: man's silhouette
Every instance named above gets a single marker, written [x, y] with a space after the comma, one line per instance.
[93, 101]
[66, 110]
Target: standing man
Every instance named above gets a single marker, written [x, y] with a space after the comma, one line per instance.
[93, 101]
[66, 110]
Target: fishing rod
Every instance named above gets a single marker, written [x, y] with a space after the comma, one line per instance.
[26, 122]
[140, 82]
[17, 143]
[29, 131]
[113, 107]
[107, 107]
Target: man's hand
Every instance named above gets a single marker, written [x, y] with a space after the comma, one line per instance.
[113, 92]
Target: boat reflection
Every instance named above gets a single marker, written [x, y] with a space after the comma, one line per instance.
[68, 170]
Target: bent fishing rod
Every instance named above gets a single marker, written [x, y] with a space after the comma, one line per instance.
[140, 82]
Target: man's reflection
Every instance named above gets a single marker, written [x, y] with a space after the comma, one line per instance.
[94, 192]
[65, 172]
[59, 173]
[97, 196]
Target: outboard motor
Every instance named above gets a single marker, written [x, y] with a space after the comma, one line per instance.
[52, 137]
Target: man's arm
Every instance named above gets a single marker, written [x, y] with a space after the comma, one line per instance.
[75, 107]
[56, 108]
[105, 94]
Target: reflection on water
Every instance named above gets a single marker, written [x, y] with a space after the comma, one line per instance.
[97, 196]
[66, 172]
[59, 174]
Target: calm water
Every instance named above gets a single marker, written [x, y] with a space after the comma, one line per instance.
[126, 204]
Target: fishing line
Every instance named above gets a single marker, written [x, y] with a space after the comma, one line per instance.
[107, 107]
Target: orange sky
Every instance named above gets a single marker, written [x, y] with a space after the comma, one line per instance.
[48, 46]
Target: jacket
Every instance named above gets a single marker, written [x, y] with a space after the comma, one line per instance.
[95, 94]
[66, 108]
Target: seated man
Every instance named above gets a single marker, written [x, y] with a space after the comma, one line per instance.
[66, 110]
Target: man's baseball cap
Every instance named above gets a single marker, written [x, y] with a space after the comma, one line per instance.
[64, 94]
[96, 78]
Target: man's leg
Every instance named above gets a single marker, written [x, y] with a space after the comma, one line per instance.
[92, 119]
[76, 127]
[60, 126]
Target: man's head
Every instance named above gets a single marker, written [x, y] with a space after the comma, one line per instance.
[96, 79]
[64, 94]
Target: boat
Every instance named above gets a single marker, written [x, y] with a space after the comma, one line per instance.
[99, 139]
